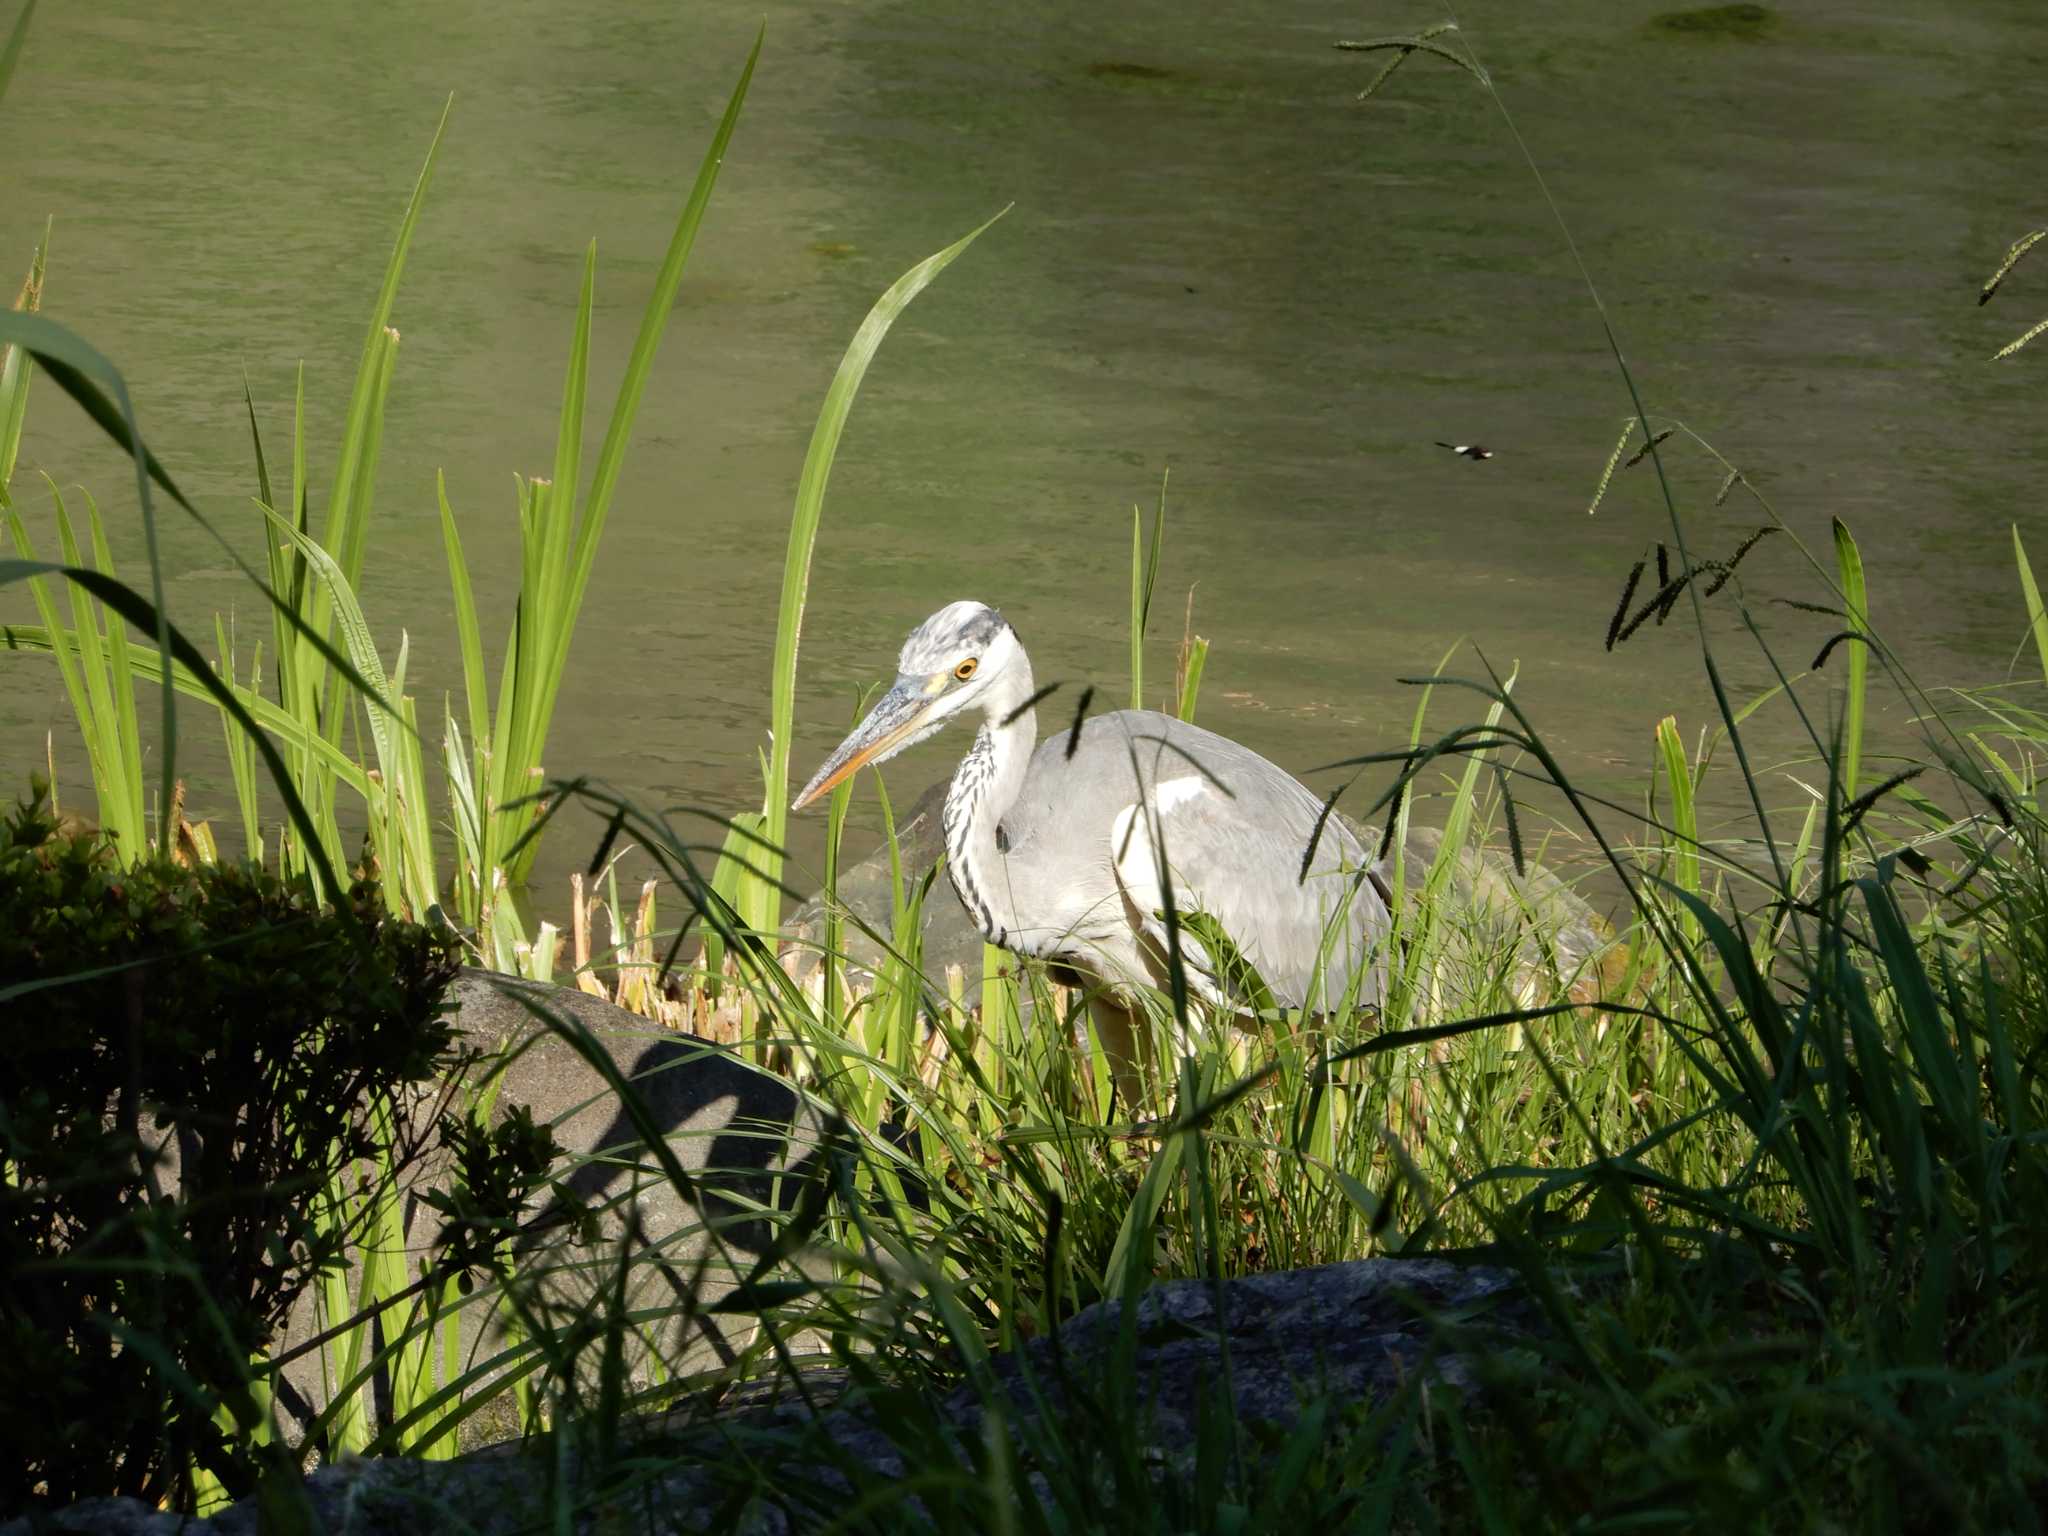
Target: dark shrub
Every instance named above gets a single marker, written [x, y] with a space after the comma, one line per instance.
[192, 1055]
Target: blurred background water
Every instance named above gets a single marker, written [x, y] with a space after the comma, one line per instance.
[1219, 263]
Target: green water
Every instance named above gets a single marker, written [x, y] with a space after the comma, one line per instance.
[1219, 262]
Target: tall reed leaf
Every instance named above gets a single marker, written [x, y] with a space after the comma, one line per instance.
[82, 373]
[133, 607]
[125, 745]
[476, 685]
[63, 645]
[1855, 603]
[355, 631]
[101, 697]
[16, 369]
[1144, 575]
[348, 521]
[524, 740]
[11, 55]
[311, 674]
[1685, 829]
[2037, 616]
[348, 465]
[89, 377]
[1191, 677]
[241, 753]
[803, 528]
[402, 841]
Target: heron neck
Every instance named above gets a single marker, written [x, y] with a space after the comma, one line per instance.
[984, 788]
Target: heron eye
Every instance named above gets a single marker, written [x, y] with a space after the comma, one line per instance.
[966, 669]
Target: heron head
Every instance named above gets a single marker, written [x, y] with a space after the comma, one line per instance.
[950, 663]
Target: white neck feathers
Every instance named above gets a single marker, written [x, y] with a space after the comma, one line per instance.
[985, 786]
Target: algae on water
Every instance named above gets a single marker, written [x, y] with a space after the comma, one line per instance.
[1743, 22]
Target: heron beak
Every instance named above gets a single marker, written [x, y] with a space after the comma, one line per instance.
[902, 715]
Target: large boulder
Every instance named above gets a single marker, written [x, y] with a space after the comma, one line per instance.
[1346, 1334]
[744, 1139]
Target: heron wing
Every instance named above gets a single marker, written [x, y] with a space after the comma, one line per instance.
[1210, 827]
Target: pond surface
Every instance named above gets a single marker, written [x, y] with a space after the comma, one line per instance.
[1218, 263]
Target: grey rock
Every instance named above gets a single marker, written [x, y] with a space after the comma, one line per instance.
[1347, 1333]
[108, 1517]
[949, 937]
[1354, 1331]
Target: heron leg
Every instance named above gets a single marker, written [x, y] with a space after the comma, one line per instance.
[1127, 1045]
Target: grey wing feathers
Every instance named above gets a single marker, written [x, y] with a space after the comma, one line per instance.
[1234, 830]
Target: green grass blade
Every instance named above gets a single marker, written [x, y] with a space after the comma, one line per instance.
[1678, 781]
[349, 552]
[554, 632]
[355, 631]
[121, 672]
[611, 456]
[1130, 1260]
[135, 608]
[68, 663]
[803, 530]
[470, 873]
[63, 645]
[1856, 604]
[256, 444]
[409, 886]
[1412, 923]
[17, 367]
[1461, 821]
[276, 552]
[476, 683]
[569, 436]
[739, 855]
[2037, 616]
[73, 664]
[498, 784]
[1950, 1088]
[368, 369]
[547, 604]
[1144, 576]
[11, 55]
[78, 369]
[288, 577]
[1191, 680]
[415, 871]
[300, 512]
[1137, 608]
[345, 529]
[241, 757]
[121, 799]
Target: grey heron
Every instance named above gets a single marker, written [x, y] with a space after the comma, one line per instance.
[1074, 852]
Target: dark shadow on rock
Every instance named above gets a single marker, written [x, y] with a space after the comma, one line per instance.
[747, 1165]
